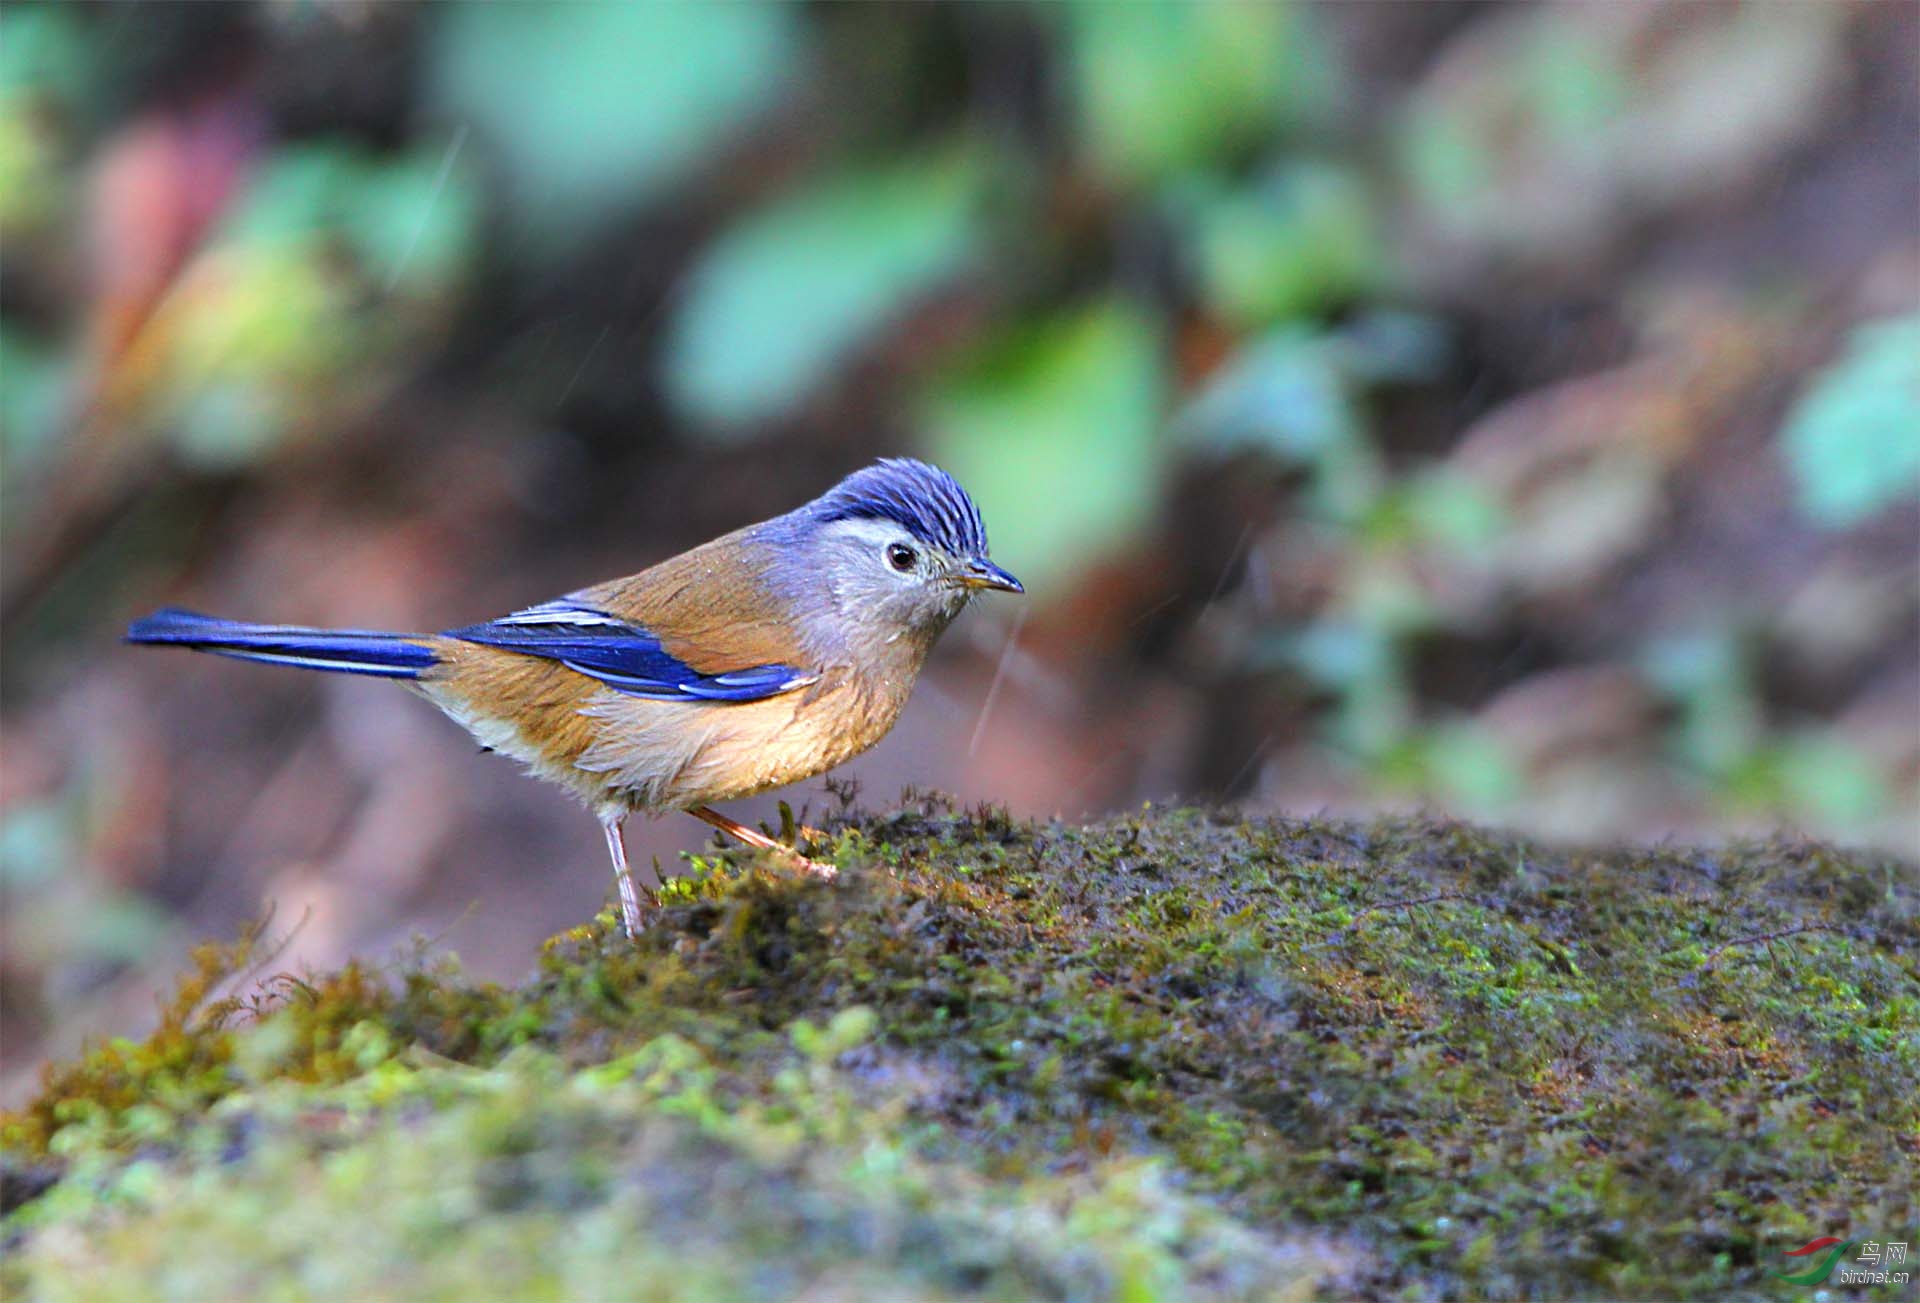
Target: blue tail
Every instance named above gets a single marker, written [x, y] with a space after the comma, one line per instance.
[344, 651]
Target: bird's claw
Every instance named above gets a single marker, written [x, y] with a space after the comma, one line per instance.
[814, 868]
[754, 837]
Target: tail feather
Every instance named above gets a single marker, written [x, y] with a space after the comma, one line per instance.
[343, 651]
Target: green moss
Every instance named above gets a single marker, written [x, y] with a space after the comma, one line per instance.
[1475, 1066]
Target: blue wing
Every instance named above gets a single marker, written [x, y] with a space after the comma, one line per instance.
[623, 655]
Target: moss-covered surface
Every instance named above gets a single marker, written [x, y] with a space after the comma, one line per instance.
[1174, 1055]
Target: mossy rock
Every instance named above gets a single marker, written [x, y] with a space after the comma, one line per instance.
[1178, 1055]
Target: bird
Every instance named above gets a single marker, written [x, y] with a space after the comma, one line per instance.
[751, 662]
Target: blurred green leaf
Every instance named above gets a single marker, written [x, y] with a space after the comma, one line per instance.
[1708, 674]
[1831, 781]
[271, 322]
[45, 75]
[1468, 765]
[34, 383]
[1361, 662]
[124, 927]
[1339, 653]
[1393, 346]
[1573, 82]
[1285, 395]
[1299, 242]
[1444, 160]
[1521, 153]
[1288, 396]
[790, 292]
[80, 923]
[1454, 510]
[1160, 88]
[1689, 664]
[593, 108]
[30, 182]
[415, 222]
[1373, 724]
[62, 914]
[1853, 441]
[295, 196]
[1053, 430]
[227, 425]
[259, 327]
[36, 845]
[1459, 763]
[1379, 589]
[43, 51]
[411, 222]
[261, 311]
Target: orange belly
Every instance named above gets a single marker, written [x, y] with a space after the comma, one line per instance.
[618, 752]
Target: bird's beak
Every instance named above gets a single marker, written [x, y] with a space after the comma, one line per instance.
[985, 574]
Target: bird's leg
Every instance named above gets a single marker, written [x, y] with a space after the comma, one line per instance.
[629, 895]
[754, 837]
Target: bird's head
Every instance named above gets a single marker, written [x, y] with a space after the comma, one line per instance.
[899, 548]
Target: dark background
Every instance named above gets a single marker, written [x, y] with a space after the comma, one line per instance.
[1512, 410]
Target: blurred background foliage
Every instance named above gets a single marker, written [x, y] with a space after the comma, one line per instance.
[1508, 408]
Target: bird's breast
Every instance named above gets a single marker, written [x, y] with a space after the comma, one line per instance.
[666, 755]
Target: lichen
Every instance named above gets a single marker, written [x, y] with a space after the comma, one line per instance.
[1213, 1057]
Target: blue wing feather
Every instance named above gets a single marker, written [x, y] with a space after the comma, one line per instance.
[342, 651]
[623, 655]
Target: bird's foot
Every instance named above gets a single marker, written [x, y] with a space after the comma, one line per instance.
[637, 905]
[815, 868]
[754, 837]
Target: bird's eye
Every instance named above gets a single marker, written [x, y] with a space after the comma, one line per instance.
[901, 557]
